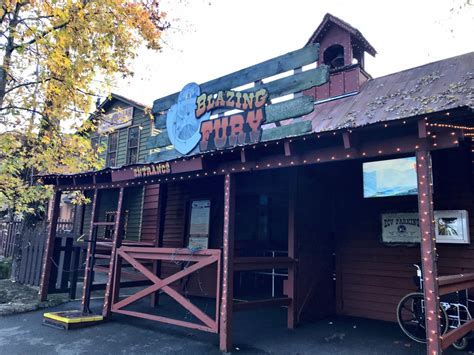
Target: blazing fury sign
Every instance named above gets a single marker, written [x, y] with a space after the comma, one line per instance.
[189, 121]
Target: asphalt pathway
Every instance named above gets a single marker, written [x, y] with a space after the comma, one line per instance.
[256, 332]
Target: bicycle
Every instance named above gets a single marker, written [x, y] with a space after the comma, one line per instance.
[453, 312]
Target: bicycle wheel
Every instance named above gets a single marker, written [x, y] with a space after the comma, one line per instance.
[411, 317]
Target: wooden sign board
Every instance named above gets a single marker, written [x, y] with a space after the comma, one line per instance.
[156, 169]
[185, 122]
[450, 227]
[119, 119]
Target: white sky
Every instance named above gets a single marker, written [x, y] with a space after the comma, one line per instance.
[217, 37]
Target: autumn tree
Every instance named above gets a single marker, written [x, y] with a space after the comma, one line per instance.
[56, 55]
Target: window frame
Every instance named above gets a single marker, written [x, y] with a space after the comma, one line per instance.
[109, 151]
[137, 146]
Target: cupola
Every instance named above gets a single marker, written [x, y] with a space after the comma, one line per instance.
[342, 48]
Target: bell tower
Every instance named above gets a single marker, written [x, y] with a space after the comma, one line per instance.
[342, 48]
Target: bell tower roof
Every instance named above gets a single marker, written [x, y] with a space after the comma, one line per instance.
[356, 37]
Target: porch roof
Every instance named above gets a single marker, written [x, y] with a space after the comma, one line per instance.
[425, 90]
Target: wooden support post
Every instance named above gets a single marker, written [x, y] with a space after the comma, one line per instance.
[89, 269]
[227, 299]
[48, 254]
[155, 297]
[292, 191]
[111, 289]
[428, 251]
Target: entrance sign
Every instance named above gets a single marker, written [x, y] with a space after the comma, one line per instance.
[188, 121]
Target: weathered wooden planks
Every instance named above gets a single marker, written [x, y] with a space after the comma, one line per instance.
[289, 109]
[250, 74]
[294, 129]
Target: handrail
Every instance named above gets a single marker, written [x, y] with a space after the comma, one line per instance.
[453, 283]
[263, 263]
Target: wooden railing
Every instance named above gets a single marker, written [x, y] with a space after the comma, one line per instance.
[262, 263]
[450, 284]
[135, 256]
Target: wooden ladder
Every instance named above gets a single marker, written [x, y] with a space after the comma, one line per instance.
[117, 225]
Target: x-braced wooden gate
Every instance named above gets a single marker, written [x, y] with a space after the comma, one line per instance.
[136, 255]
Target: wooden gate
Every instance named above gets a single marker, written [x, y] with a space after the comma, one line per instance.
[136, 255]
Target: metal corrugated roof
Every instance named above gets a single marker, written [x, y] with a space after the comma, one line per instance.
[438, 86]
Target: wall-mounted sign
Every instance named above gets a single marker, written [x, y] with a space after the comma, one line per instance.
[156, 169]
[118, 119]
[152, 170]
[450, 227]
[199, 224]
[188, 121]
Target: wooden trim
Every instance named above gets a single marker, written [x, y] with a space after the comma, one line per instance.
[44, 285]
[225, 333]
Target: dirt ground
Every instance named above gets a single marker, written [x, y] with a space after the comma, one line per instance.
[16, 298]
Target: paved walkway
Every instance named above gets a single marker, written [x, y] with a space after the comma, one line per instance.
[256, 332]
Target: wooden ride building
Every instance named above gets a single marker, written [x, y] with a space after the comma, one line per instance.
[300, 181]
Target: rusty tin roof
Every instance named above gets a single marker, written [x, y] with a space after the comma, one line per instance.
[438, 86]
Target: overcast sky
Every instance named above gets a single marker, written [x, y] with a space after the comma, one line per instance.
[216, 37]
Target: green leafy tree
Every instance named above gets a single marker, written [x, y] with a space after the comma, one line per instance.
[55, 56]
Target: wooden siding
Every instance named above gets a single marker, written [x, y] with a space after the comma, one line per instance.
[372, 277]
[175, 227]
[141, 120]
[150, 219]
[108, 200]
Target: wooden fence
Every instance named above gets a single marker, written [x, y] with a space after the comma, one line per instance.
[67, 263]
[8, 233]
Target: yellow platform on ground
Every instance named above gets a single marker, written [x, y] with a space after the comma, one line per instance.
[71, 317]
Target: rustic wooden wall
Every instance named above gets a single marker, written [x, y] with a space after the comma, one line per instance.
[372, 277]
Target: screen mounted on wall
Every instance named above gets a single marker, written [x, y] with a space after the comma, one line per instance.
[392, 177]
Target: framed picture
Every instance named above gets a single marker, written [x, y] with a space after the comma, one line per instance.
[199, 224]
[452, 227]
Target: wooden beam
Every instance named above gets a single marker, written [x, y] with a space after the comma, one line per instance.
[248, 263]
[162, 198]
[296, 107]
[225, 333]
[113, 280]
[428, 250]
[271, 302]
[292, 198]
[48, 254]
[454, 335]
[289, 130]
[453, 283]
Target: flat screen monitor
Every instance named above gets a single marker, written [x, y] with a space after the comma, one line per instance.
[392, 177]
